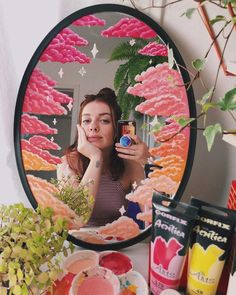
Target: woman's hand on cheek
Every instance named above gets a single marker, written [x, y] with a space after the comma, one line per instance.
[137, 152]
[85, 147]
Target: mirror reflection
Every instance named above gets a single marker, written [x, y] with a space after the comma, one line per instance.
[104, 76]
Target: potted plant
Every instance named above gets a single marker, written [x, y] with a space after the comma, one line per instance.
[29, 243]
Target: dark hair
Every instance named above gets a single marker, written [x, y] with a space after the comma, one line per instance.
[78, 162]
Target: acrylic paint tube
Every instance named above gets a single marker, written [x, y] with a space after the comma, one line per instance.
[171, 228]
[209, 246]
[232, 278]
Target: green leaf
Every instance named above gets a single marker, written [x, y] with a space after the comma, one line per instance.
[120, 75]
[208, 105]
[136, 66]
[125, 51]
[206, 96]
[156, 124]
[182, 121]
[210, 133]
[228, 102]
[42, 278]
[198, 64]
[17, 290]
[3, 291]
[217, 19]
[20, 275]
[24, 290]
[233, 19]
[189, 12]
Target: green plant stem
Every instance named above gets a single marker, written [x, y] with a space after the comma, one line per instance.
[156, 6]
[221, 59]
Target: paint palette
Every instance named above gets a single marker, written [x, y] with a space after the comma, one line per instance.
[133, 283]
[108, 268]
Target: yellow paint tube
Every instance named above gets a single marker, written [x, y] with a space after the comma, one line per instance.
[232, 278]
[209, 246]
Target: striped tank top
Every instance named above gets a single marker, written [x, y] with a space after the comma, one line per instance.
[109, 199]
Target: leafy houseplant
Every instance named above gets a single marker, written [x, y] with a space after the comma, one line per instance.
[133, 64]
[209, 101]
[29, 242]
[76, 195]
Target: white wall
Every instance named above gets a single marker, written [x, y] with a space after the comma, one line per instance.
[24, 24]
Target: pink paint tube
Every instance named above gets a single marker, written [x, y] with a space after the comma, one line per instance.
[171, 228]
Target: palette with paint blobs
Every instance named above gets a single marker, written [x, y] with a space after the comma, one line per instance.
[111, 271]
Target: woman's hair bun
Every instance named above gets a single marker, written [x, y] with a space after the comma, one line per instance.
[107, 92]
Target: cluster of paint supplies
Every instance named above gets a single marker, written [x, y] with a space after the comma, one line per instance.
[192, 249]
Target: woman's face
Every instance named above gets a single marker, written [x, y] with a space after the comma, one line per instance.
[97, 122]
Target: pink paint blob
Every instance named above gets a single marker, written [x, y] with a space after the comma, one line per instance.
[81, 264]
[116, 262]
[95, 285]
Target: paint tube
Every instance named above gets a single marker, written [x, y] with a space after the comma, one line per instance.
[210, 244]
[171, 228]
[232, 278]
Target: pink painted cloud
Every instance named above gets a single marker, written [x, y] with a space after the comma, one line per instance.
[32, 125]
[177, 146]
[154, 49]
[169, 130]
[161, 87]
[43, 143]
[129, 27]
[61, 48]
[64, 54]
[37, 103]
[164, 105]
[45, 155]
[69, 37]
[41, 83]
[89, 20]
[38, 75]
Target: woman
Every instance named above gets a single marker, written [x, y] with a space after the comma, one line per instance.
[96, 156]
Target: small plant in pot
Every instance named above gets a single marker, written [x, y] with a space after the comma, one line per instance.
[29, 243]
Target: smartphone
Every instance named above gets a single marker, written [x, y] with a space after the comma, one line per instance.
[125, 127]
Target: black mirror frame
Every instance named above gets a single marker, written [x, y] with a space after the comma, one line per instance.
[20, 99]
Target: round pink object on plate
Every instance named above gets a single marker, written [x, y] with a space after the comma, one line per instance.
[97, 280]
[80, 260]
[117, 262]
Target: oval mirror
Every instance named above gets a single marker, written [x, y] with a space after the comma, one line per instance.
[117, 48]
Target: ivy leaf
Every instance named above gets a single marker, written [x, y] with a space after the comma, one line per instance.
[205, 97]
[156, 124]
[189, 12]
[209, 105]
[183, 121]
[228, 102]
[210, 133]
[198, 64]
[217, 19]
